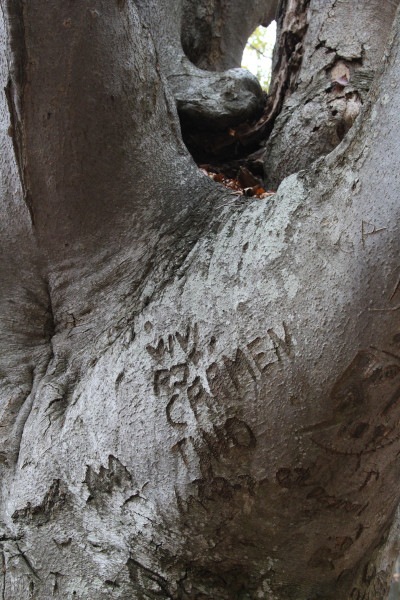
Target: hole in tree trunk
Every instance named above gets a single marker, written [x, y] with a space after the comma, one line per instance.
[257, 55]
[227, 151]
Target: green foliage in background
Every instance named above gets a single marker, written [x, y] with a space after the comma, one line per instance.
[257, 56]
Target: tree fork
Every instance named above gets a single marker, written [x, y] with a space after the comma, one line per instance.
[205, 390]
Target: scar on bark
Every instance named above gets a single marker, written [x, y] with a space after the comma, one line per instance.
[365, 233]
[15, 92]
[15, 131]
[53, 501]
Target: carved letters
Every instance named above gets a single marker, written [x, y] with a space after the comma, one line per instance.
[187, 341]
[246, 361]
[234, 433]
[204, 393]
[280, 345]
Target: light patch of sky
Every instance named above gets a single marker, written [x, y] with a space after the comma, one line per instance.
[257, 55]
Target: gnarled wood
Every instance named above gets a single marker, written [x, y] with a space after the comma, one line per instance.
[344, 41]
[215, 32]
[213, 382]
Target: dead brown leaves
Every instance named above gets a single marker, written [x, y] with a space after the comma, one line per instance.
[245, 183]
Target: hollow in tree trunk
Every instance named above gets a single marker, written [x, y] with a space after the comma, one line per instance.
[199, 390]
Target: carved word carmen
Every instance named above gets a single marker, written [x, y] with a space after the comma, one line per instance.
[227, 379]
[247, 360]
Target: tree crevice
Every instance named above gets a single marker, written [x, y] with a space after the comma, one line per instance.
[15, 94]
[241, 144]
[191, 390]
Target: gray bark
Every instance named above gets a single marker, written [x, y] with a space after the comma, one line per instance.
[204, 98]
[214, 32]
[200, 393]
[339, 46]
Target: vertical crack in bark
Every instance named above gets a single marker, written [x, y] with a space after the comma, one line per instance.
[50, 324]
[235, 146]
[27, 562]
[3, 567]
[15, 93]
[293, 25]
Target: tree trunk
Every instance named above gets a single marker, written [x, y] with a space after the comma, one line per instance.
[214, 33]
[200, 391]
[324, 63]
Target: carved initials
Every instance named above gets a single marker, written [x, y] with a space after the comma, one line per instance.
[196, 394]
[183, 340]
[234, 433]
[259, 357]
[162, 348]
[163, 378]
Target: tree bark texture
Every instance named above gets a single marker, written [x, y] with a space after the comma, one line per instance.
[215, 32]
[200, 392]
[205, 99]
[324, 63]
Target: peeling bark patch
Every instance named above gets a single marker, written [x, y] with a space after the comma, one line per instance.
[292, 21]
[54, 500]
[148, 582]
[343, 97]
[373, 585]
[340, 73]
[104, 482]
